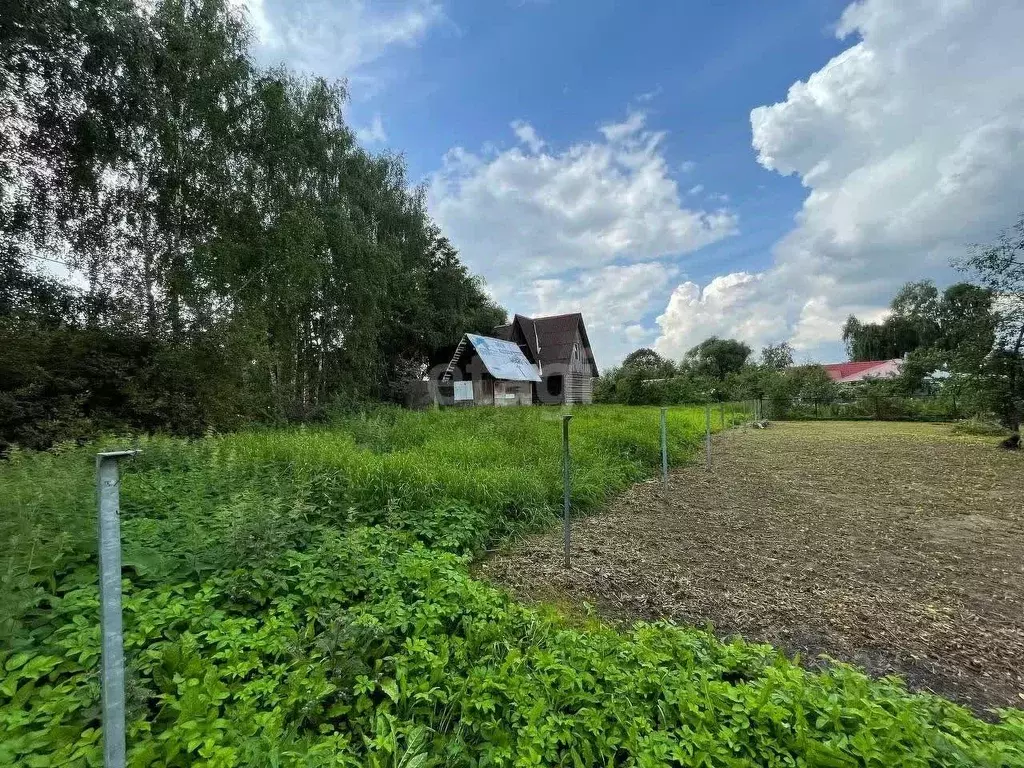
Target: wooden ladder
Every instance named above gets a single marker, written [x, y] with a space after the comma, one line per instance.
[447, 376]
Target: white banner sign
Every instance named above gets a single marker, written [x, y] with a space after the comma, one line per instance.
[463, 390]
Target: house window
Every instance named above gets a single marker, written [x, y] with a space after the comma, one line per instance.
[554, 386]
[575, 352]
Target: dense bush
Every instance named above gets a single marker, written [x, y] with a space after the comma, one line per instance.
[302, 597]
[979, 427]
[894, 408]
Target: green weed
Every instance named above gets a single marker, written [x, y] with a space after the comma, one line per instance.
[303, 597]
[980, 428]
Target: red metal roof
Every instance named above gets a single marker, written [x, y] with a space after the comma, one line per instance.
[839, 371]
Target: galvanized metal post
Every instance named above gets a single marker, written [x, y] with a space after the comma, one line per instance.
[707, 433]
[112, 659]
[566, 418]
[664, 448]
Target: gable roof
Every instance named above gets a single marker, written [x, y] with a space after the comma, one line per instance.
[844, 373]
[503, 359]
[549, 339]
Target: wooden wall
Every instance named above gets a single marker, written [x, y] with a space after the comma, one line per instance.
[513, 393]
[579, 384]
[483, 391]
[431, 394]
[579, 388]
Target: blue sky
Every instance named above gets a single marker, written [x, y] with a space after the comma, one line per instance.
[674, 170]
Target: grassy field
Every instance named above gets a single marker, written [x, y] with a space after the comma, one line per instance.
[303, 597]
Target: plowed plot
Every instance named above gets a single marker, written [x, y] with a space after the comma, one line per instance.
[893, 546]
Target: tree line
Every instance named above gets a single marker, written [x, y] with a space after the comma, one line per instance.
[963, 346]
[190, 241]
[717, 370]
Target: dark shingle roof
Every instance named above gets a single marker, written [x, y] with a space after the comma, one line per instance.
[550, 339]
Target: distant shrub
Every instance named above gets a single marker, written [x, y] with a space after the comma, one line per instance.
[888, 408]
[979, 427]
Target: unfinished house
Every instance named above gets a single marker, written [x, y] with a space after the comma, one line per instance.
[486, 371]
[560, 349]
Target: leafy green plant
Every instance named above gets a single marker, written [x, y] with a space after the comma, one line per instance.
[303, 597]
[979, 427]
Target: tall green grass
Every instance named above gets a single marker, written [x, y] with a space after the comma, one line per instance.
[393, 467]
[302, 597]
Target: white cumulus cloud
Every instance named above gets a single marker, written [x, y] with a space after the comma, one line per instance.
[526, 211]
[338, 38]
[527, 134]
[581, 227]
[611, 298]
[730, 305]
[372, 134]
[911, 145]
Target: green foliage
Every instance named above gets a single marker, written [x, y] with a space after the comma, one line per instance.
[634, 386]
[242, 258]
[973, 334]
[648, 361]
[706, 374]
[999, 267]
[885, 408]
[717, 358]
[979, 427]
[795, 390]
[302, 597]
[777, 356]
[920, 319]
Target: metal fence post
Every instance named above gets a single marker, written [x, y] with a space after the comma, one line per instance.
[565, 482]
[112, 659]
[707, 433]
[664, 448]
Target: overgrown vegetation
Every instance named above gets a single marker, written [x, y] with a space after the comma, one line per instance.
[965, 345]
[719, 370]
[962, 350]
[302, 597]
[188, 240]
[979, 427]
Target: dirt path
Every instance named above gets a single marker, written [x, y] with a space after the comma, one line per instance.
[893, 546]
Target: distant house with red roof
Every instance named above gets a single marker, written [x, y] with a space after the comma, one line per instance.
[848, 373]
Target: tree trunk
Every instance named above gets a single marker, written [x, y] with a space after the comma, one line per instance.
[1015, 365]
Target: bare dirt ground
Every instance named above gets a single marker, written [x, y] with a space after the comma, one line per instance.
[897, 547]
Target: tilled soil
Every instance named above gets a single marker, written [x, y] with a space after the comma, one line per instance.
[897, 547]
